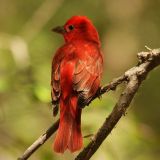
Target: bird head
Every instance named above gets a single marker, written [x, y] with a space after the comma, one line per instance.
[78, 27]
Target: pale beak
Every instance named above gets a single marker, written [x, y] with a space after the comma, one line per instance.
[59, 29]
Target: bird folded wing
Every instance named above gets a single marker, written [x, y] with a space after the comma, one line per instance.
[86, 79]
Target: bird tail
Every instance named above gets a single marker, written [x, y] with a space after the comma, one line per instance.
[69, 132]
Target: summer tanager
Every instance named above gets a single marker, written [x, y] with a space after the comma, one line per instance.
[75, 79]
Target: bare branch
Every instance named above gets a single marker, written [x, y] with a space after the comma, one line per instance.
[111, 121]
[133, 77]
[148, 61]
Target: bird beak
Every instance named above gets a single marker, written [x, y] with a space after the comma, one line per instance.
[59, 29]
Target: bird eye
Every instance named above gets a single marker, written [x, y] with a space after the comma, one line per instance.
[71, 27]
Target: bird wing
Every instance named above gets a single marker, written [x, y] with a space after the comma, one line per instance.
[55, 80]
[87, 75]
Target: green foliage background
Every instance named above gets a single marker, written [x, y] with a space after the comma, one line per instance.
[27, 46]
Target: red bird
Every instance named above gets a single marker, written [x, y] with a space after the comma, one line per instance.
[75, 79]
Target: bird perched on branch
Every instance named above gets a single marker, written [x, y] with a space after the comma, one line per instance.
[75, 79]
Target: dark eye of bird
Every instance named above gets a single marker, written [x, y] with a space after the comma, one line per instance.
[71, 27]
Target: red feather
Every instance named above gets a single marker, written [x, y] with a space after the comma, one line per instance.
[76, 74]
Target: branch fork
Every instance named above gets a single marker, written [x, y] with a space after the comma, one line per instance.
[134, 77]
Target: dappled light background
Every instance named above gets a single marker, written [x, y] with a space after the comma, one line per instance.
[27, 46]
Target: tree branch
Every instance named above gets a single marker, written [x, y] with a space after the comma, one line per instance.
[112, 120]
[134, 76]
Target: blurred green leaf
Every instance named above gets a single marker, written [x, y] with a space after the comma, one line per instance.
[42, 93]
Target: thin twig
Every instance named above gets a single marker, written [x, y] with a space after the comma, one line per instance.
[134, 77]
